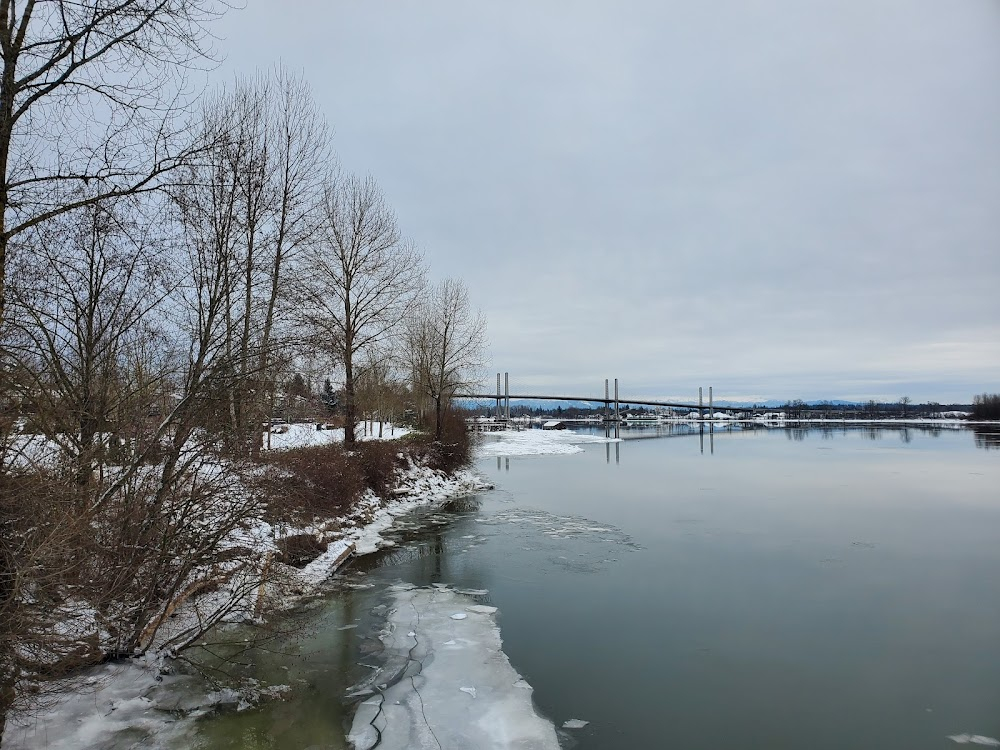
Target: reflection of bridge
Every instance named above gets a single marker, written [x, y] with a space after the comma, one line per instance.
[502, 400]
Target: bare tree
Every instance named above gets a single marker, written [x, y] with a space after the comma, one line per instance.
[253, 198]
[80, 323]
[903, 403]
[89, 94]
[298, 166]
[445, 346]
[359, 282]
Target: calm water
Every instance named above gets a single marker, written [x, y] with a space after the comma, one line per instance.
[775, 589]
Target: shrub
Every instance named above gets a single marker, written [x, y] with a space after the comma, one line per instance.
[322, 479]
[300, 549]
[327, 480]
[453, 450]
[378, 462]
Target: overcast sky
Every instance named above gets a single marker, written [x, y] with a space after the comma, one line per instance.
[779, 198]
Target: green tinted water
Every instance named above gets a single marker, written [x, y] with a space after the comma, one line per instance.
[778, 589]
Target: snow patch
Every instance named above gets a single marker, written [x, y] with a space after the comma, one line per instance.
[287, 436]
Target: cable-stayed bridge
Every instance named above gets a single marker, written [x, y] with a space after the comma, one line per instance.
[612, 402]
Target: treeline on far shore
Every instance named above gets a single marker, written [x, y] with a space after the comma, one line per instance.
[986, 406]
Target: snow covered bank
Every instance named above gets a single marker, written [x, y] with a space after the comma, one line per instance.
[536, 443]
[282, 586]
[130, 703]
[453, 686]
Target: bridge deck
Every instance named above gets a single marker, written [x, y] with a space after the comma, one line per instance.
[607, 401]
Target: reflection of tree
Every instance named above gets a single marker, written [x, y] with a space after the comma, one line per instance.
[987, 436]
[423, 547]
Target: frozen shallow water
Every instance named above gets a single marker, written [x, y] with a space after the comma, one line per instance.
[121, 705]
[448, 683]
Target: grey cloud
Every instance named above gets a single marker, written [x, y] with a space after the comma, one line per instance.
[795, 198]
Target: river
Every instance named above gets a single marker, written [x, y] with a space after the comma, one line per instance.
[782, 588]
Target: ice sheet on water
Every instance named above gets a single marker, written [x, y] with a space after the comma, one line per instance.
[481, 609]
[568, 542]
[537, 443]
[575, 724]
[112, 702]
[974, 739]
[444, 657]
[553, 525]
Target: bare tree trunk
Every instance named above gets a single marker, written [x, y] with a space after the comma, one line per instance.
[361, 283]
[437, 417]
[350, 401]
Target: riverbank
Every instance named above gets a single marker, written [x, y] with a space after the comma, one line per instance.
[146, 696]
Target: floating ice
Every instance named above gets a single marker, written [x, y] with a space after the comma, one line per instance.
[974, 739]
[481, 609]
[537, 443]
[575, 724]
[559, 527]
[419, 708]
[459, 616]
[473, 592]
[112, 702]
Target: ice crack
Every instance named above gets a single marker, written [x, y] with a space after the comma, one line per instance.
[420, 669]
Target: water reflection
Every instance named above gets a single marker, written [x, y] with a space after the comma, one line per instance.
[711, 438]
[607, 446]
[827, 562]
[987, 437]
